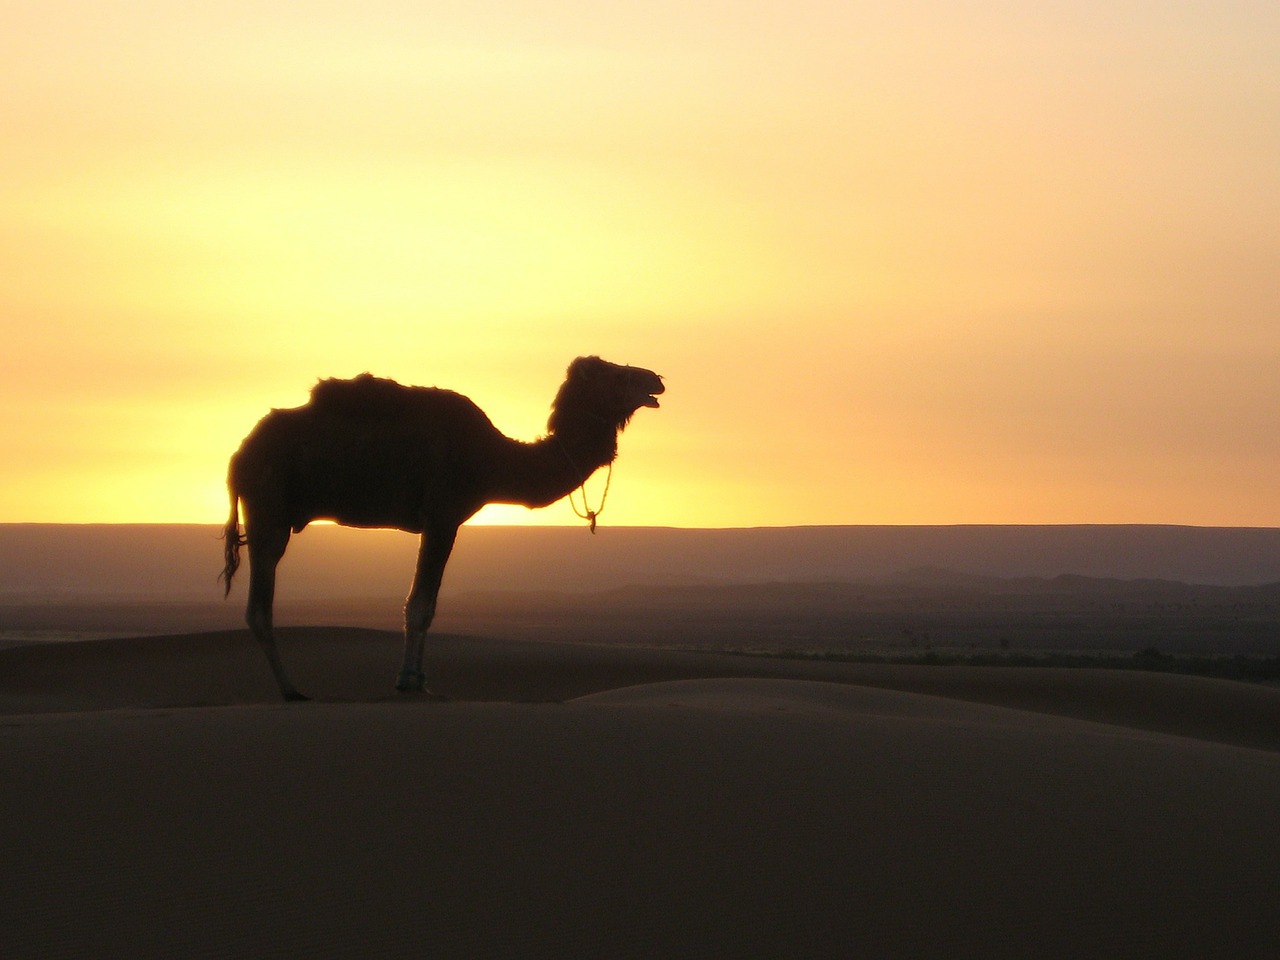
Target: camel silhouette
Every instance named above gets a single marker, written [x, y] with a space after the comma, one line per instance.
[370, 452]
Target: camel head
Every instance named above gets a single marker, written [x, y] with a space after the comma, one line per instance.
[605, 390]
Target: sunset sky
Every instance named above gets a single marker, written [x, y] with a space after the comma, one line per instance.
[945, 262]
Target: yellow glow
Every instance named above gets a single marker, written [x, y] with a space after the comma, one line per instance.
[915, 263]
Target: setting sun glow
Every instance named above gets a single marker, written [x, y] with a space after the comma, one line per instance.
[924, 263]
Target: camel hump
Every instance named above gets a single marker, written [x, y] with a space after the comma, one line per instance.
[364, 396]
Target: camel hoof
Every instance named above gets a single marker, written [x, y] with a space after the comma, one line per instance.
[411, 681]
[426, 696]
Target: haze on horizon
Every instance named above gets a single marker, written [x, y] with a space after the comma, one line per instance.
[926, 263]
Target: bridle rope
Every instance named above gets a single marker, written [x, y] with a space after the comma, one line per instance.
[586, 513]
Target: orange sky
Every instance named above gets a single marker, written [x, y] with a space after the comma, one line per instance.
[900, 263]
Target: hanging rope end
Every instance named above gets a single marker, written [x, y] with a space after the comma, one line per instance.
[586, 513]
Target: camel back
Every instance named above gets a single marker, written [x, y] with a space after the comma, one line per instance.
[367, 397]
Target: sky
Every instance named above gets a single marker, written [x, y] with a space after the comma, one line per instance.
[922, 262]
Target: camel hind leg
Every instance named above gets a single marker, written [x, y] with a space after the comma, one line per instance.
[266, 547]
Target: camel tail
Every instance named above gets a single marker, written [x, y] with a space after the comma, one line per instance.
[232, 541]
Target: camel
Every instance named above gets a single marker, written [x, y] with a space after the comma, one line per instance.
[369, 452]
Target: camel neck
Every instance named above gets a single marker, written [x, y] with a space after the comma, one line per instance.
[542, 472]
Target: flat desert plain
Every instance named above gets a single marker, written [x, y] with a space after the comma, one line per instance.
[571, 800]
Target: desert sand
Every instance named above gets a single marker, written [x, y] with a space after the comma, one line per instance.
[594, 801]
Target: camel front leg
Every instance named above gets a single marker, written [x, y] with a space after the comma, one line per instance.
[420, 607]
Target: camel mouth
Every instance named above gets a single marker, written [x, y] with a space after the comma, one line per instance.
[649, 397]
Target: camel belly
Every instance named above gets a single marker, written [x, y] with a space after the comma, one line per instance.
[403, 495]
[342, 493]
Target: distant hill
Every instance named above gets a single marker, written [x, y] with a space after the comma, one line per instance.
[181, 562]
[1180, 589]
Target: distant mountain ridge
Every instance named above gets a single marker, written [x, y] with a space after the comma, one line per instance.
[838, 590]
[181, 562]
[941, 578]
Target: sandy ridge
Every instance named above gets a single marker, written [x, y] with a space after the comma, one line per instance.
[355, 664]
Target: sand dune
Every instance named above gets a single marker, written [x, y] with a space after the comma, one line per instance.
[351, 664]
[578, 801]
